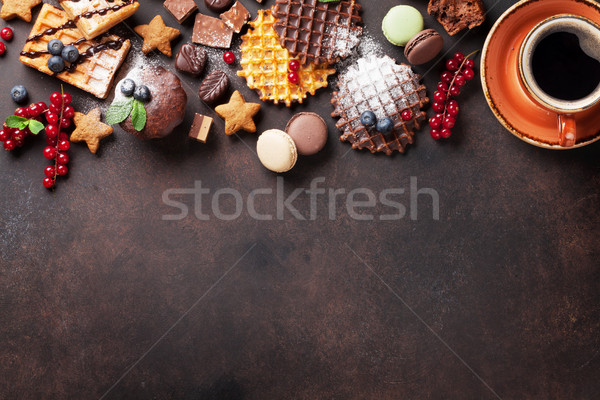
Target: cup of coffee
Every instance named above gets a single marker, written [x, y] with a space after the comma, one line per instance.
[559, 68]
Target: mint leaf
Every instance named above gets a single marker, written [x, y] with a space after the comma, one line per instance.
[138, 115]
[16, 122]
[35, 126]
[118, 111]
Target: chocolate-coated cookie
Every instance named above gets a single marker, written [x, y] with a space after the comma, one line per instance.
[218, 6]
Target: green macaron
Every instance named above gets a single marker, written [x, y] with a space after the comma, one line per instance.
[401, 23]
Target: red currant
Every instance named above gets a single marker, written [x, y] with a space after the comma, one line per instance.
[446, 133]
[407, 115]
[63, 136]
[459, 80]
[64, 145]
[18, 135]
[42, 105]
[35, 110]
[229, 57]
[62, 170]
[68, 112]
[294, 78]
[469, 63]
[468, 74]
[452, 65]
[438, 107]
[56, 99]
[54, 109]
[439, 97]
[454, 91]
[459, 57]
[19, 143]
[6, 34]
[447, 77]
[435, 122]
[52, 118]
[65, 123]
[26, 131]
[51, 141]
[2, 48]
[4, 135]
[67, 99]
[50, 152]
[50, 171]
[62, 158]
[51, 131]
[9, 145]
[22, 112]
[294, 65]
[452, 108]
[448, 122]
[435, 134]
[442, 87]
[48, 183]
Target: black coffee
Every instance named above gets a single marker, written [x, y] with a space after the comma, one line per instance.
[562, 69]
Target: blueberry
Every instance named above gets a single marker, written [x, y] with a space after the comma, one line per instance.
[55, 47]
[127, 87]
[70, 53]
[19, 93]
[56, 64]
[142, 93]
[385, 126]
[368, 118]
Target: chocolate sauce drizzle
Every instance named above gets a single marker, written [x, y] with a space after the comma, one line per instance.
[51, 31]
[102, 11]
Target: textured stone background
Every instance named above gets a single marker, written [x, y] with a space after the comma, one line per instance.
[499, 298]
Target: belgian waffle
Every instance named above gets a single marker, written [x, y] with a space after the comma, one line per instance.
[318, 32]
[99, 58]
[265, 65]
[380, 85]
[94, 17]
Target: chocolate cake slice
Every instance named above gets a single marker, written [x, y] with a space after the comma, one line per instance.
[456, 15]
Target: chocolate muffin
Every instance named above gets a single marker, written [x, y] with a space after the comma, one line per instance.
[166, 108]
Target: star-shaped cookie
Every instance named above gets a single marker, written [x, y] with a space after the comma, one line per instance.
[89, 129]
[157, 36]
[18, 8]
[238, 114]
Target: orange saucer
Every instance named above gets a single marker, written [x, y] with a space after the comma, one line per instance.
[500, 78]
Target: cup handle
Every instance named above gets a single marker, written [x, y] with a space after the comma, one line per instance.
[567, 129]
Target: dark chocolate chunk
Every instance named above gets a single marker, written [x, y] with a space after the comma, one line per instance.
[191, 59]
[218, 5]
[214, 87]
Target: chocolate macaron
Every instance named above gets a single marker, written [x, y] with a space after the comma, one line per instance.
[309, 132]
[424, 47]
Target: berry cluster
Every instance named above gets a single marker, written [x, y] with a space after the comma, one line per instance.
[459, 70]
[58, 116]
[59, 54]
[384, 125]
[7, 35]
[293, 76]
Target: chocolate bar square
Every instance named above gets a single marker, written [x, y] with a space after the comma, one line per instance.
[236, 17]
[211, 32]
[180, 9]
[200, 127]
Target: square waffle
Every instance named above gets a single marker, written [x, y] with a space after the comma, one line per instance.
[94, 17]
[265, 65]
[318, 32]
[387, 89]
[93, 73]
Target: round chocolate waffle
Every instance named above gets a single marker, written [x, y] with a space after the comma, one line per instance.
[387, 89]
[317, 32]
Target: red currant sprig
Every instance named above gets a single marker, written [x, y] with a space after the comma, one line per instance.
[459, 70]
[58, 116]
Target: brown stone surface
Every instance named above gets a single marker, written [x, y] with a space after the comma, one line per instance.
[92, 279]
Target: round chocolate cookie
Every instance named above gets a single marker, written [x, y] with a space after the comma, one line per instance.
[166, 107]
[309, 132]
[218, 6]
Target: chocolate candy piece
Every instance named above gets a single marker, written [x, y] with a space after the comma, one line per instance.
[200, 127]
[214, 87]
[237, 17]
[309, 132]
[211, 32]
[218, 6]
[180, 9]
[191, 59]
